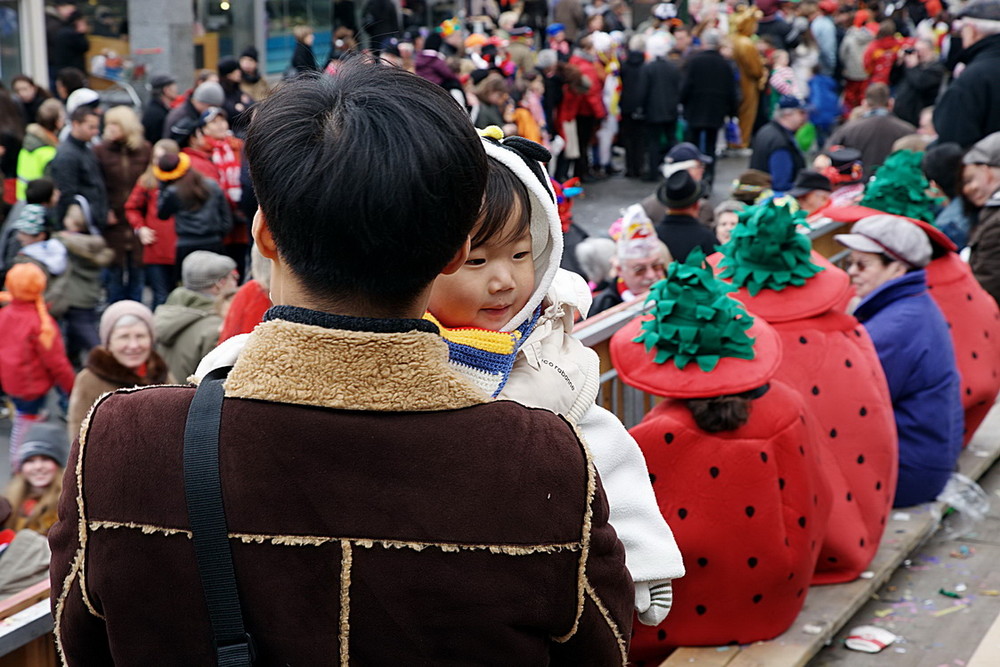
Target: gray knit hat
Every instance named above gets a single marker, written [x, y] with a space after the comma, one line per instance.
[202, 269]
[45, 439]
[985, 151]
[210, 93]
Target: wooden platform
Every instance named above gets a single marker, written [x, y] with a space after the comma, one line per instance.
[829, 609]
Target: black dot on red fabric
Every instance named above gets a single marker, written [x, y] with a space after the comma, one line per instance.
[803, 340]
[975, 355]
[861, 459]
[800, 592]
[652, 478]
[861, 542]
[781, 483]
[682, 513]
[802, 450]
[815, 390]
[749, 510]
[882, 521]
[849, 497]
[787, 543]
[968, 391]
[757, 598]
[833, 433]
[661, 634]
[668, 438]
[702, 562]
[713, 471]
[847, 362]
[752, 562]
[700, 610]
[791, 575]
[832, 559]
[763, 457]
[878, 486]
[968, 297]
[863, 411]
[857, 332]
[802, 522]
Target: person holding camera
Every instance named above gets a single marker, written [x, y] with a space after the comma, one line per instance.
[917, 76]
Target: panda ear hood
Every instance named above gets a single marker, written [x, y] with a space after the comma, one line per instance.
[524, 158]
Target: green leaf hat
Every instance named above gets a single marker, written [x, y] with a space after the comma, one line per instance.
[899, 187]
[697, 341]
[766, 250]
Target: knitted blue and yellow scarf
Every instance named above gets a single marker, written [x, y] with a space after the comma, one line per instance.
[484, 356]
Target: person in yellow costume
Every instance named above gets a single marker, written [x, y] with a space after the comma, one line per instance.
[753, 74]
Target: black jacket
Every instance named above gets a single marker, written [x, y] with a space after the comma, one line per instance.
[303, 59]
[70, 49]
[630, 74]
[770, 138]
[708, 91]
[76, 171]
[153, 119]
[917, 88]
[201, 226]
[682, 234]
[970, 108]
[659, 91]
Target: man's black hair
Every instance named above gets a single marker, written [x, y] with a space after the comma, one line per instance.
[943, 164]
[81, 112]
[71, 78]
[39, 191]
[369, 181]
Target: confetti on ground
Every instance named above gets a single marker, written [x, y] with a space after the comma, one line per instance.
[904, 516]
[963, 552]
[950, 594]
[990, 592]
[944, 612]
[867, 574]
[810, 629]
[882, 613]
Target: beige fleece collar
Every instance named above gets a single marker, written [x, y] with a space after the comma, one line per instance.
[287, 362]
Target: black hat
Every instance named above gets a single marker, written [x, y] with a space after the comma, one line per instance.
[843, 157]
[250, 52]
[686, 151]
[809, 180]
[44, 439]
[680, 190]
[161, 80]
[227, 66]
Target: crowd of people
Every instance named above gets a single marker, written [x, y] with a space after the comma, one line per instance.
[269, 234]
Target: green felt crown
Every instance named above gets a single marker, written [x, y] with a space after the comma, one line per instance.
[766, 251]
[694, 319]
[899, 187]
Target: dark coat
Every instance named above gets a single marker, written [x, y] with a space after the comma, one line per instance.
[204, 225]
[917, 88]
[631, 72]
[153, 119]
[683, 233]
[75, 171]
[970, 108]
[913, 344]
[873, 136]
[659, 91]
[70, 49]
[303, 59]
[708, 91]
[374, 536]
[121, 168]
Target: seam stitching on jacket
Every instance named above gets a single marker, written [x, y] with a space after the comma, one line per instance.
[345, 601]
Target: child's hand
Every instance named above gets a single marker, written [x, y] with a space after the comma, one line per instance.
[147, 235]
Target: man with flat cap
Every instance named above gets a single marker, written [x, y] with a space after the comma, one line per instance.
[970, 107]
[680, 228]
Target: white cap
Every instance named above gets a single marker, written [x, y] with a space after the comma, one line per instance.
[892, 235]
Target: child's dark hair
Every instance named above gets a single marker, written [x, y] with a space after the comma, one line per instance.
[369, 181]
[504, 191]
[723, 413]
[39, 191]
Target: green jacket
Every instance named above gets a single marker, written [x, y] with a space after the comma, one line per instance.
[187, 328]
[37, 151]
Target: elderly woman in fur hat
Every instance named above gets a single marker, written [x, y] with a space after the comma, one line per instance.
[125, 358]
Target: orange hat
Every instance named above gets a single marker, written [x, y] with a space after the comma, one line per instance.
[26, 282]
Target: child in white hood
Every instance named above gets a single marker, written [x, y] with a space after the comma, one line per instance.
[507, 317]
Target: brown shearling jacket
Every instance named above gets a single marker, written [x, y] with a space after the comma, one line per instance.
[380, 511]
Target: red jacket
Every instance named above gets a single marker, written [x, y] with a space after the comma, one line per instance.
[591, 103]
[27, 369]
[140, 210]
[879, 58]
[246, 311]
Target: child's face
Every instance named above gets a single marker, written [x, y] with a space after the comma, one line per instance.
[494, 284]
[40, 472]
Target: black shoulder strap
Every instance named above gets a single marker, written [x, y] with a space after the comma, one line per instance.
[203, 492]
